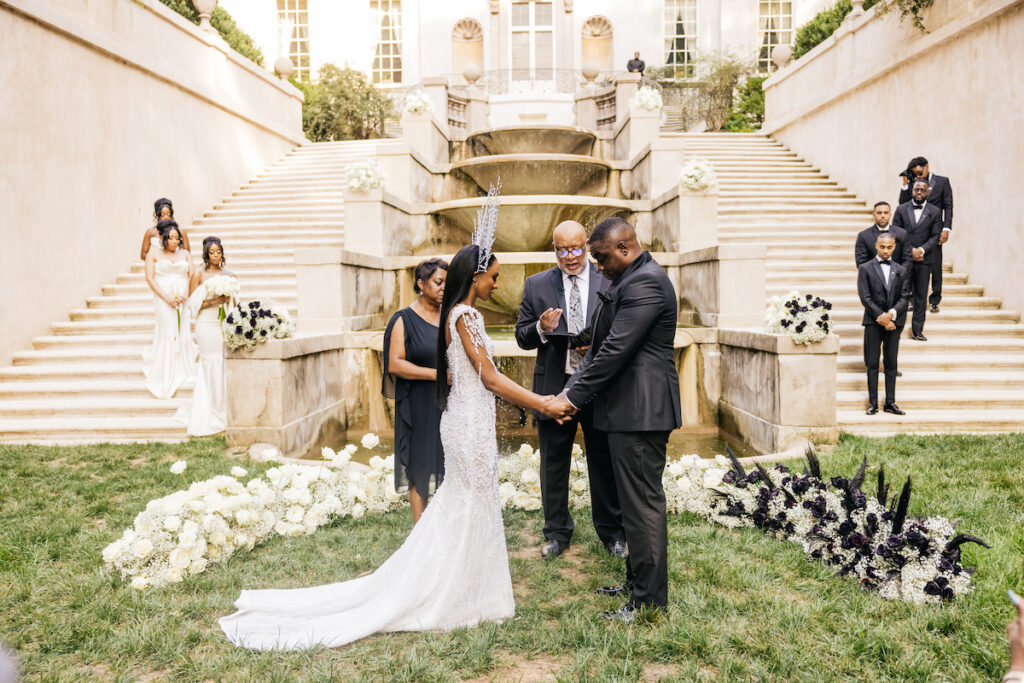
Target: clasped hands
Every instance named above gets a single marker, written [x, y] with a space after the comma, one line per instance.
[886, 321]
[558, 408]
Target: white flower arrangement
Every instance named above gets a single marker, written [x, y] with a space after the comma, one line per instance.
[254, 322]
[519, 479]
[646, 98]
[804, 317]
[365, 176]
[417, 102]
[370, 441]
[222, 285]
[697, 174]
[178, 467]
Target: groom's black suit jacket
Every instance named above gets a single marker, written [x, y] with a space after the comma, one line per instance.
[543, 291]
[629, 371]
[923, 233]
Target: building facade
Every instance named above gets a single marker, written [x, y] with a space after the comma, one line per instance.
[525, 42]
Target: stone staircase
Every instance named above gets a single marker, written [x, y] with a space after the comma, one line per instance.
[83, 381]
[968, 376]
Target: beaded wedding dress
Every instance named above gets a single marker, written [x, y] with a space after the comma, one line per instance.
[451, 571]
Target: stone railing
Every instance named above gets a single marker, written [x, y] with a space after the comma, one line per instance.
[457, 112]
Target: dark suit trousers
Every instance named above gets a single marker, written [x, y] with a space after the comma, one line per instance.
[919, 274]
[638, 459]
[555, 460]
[878, 340]
[936, 277]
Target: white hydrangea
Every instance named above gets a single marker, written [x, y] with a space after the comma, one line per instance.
[417, 102]
[365, 176]
[647, 99]
[697, 174]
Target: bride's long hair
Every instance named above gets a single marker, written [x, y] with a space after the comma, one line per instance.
[456, 288]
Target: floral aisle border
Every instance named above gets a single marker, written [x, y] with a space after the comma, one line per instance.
[913, 559]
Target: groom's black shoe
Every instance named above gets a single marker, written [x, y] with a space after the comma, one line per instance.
[552, 549]
[625, 615]
[615, 590]
[616, 548]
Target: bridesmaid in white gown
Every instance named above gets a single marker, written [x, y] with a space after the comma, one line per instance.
[171, 360]
[163, 210]
[207, 412]
[452, 570]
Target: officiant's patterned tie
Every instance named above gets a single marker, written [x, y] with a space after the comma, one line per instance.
[576, 320]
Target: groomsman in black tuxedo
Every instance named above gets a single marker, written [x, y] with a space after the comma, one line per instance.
[630, 375]
[884, 289]
[557, 303]
[923, 223]
[864, 250]
[941, 196]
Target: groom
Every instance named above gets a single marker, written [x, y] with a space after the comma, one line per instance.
[630, 375]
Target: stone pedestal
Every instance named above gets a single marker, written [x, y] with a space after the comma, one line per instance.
[776, 394]
[379, 224]
[644, 128]
[626, 86]
[287, 392]
[721, 286]
[685, 220]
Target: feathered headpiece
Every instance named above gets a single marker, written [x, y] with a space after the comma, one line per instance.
[484, 226]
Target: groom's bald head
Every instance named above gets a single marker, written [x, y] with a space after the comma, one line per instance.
[614, 246]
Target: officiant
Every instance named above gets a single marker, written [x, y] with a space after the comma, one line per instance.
[554, 318]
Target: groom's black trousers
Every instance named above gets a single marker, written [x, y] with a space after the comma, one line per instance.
[555, 460]
[638, 461]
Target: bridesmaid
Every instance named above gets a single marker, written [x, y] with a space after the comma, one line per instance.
[163, 210]
[171, 360]
[207, 412]
[410, 362]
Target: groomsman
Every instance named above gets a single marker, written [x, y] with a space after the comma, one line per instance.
[864, 250]
[557, 303]
[941, 196]
[884, 289]
[923, 223]
[630, 375]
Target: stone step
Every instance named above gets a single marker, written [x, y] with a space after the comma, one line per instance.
[243, 241]
[949, 302]
[739, 194]
[88, 354]
[282, 222]
[257, 202]
[245, 236]
[912, 400]
[325, 210]
[287, 297]
[116, 315]
[130, 325]
[962, 322]
[808, 280]
[139, 287]
[848, 288]
[95, 407]
[939, 321]
[87, 341]
[303, 185]
[813, 210]
[936, 381]
[56, 430]
[931, 421]
[81, 388]
[74, 371]
[951, 361]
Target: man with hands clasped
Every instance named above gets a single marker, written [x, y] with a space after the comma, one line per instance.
[629, 379]
[555, 314]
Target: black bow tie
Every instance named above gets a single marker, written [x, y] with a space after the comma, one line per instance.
[918, 206]
[885, 262]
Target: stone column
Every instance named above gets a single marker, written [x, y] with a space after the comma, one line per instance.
[477, 111]
[698, 218]
[626, 86]
[320, 290]
[364, 222]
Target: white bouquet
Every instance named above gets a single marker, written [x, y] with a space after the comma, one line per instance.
[805, 318]
[364, 176]
[417, 102]
[646, 98]
[222, 285]
[254, 322]
[697, 174]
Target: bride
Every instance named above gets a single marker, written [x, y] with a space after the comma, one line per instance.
[453, 568]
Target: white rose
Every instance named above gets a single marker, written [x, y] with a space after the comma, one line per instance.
[244, 516]
[351, 448]
[577, 450]
[529, 476]
[198, 565]
[174, 575]
[327, 453]
[179, 558]
[111, 552]
[218, 537]
[722, 460]
[237, 471]
[172, 523]
[295, 514]
[197, 506]
[140, 583]
[377, 463]
[358, 511]
[370, 440]
[525, 450]
[178, 467]
[579, 486]
[712, 478]
[142, 548]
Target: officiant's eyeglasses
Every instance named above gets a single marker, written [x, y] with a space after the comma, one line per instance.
[565, 253]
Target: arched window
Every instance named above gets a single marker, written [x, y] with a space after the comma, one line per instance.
[597, 43]
[467, 45]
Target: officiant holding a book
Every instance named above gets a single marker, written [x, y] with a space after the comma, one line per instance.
[554, 318]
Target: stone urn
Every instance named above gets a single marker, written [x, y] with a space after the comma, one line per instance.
[781, 55]
[205, 9]
[590, 71]
[472, 73]
[283, 67]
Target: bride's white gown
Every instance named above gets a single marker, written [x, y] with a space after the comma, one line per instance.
[451, 571]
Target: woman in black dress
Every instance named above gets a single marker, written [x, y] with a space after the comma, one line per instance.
[410, 370]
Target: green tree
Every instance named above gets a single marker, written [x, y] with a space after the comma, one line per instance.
[343, 105]
[719, 75]
[239, 40]
[748, 114]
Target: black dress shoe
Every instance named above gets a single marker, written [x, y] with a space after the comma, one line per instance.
[872, 409]
[552, 549]
[625, 615]
[899, 374]
[894, 409]
[626, 587]
[616, 548]
[933, 309]
[919, 337]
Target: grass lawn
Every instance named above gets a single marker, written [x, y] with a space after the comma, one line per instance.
[743, 606]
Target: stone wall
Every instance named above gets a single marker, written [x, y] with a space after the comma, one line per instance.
[878, 93]
[106, 107]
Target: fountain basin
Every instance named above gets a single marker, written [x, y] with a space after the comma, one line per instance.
[539, 173]
[532, 139]
[525, 222]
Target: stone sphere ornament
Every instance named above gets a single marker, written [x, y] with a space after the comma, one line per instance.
[205, 9]
[283, 67]
[472, 73]
[781, 55]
